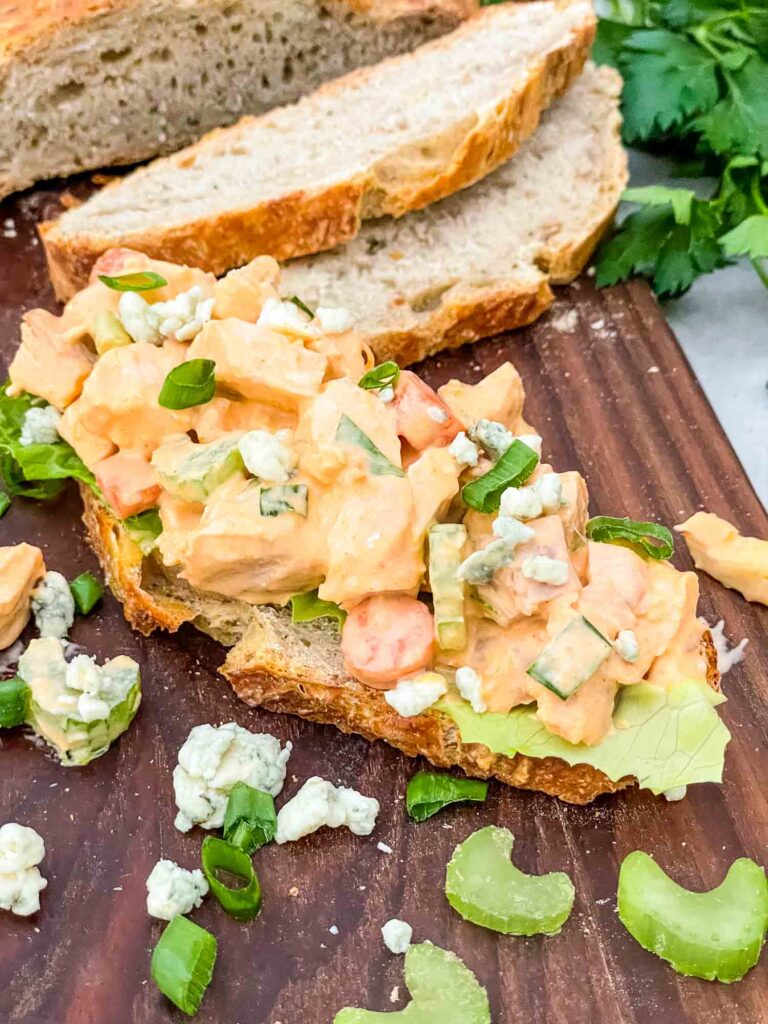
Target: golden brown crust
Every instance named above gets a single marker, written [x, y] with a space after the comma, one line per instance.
[306, 222]
[265, 670]
[25, 23]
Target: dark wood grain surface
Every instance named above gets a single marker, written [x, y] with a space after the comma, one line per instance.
[614, 398]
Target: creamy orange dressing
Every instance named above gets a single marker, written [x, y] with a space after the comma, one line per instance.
[21, 568]
[369, 504]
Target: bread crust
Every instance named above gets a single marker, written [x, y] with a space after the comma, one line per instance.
[305, 222]
[272, 664]
[36, 22]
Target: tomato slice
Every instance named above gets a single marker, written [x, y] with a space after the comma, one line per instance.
[421, 416]
[386, 637]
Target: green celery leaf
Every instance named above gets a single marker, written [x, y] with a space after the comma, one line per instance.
[739, 122]
[680, 199]
[667, 80]
[663, 737]
[689, 251]
[750, 238]
[609, 42]
[634, 248]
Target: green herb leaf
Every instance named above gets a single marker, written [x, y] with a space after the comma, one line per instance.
[348, 432]
[189, 384]
[250, 820]
[183, 962]
[35, 470]
[143, 281]
[5, 503]
[739, 122]
[667, 79]
[244, 902]
[14, 697]
[87, 592]
[308, 607]
[302, 306]
[680, 199]
[429, 792]
[750, 238]
[651, 540]
[382, 376]
[513, 468]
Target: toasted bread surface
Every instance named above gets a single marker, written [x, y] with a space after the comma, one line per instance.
[298, 669]
[238, 192]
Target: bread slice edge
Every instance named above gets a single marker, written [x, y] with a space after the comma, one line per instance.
[308, 221]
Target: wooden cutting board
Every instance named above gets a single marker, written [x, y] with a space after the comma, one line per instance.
[611, 392]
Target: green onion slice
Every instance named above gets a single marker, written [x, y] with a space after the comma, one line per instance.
[14, 696]
[382, 376]
[87, 591]
[274, 501]
[650, 540]
[308, 607]
[143, 281]
[188, 384]
[243, 902]
[429, 792]
[250, 820]
[5, 503]
[513, 468]
[348, 432]
[302, 306]
[182, 963]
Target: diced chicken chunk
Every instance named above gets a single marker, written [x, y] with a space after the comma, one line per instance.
[499, 397]
[52, 361]
[21, 568]
[242, 293]
[128, 482]
[421, 417]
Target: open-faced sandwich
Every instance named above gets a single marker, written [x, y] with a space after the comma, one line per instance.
[394, 560]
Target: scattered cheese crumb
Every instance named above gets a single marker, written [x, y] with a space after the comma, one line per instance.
[415, 694]
[470, 686]
[384, 848]
[544, 569]
[397, 935]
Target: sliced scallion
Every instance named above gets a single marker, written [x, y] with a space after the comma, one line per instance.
[308, 607]
[651, 540]
[243, 902]
[513, 468]
[302, 306]
[348, 432]
[142, 281]
[188, 384]
[382, 376]
[250, 820]
[14, 695]
[87, 591]
[429, 792]
[182, 963]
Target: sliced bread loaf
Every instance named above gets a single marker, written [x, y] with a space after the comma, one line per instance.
[379, 141]
[88, 83]
[481, 261]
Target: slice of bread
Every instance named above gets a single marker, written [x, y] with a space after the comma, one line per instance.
[379, 141]
[298, 669]
[482, 261]
[90, 83]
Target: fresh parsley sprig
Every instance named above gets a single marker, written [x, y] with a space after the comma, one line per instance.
[695, 79]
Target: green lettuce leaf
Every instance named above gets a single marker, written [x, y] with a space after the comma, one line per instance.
[665, 738]
[35, 470]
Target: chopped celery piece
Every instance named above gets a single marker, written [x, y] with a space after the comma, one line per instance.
[571, 658]
[274, 501]
[443, 991]
[191, 471]
[483, 885]
[80, 724]
[109, 333]
[446, 541]
[715, 935]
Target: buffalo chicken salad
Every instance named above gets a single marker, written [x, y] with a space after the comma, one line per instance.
[257, 451]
